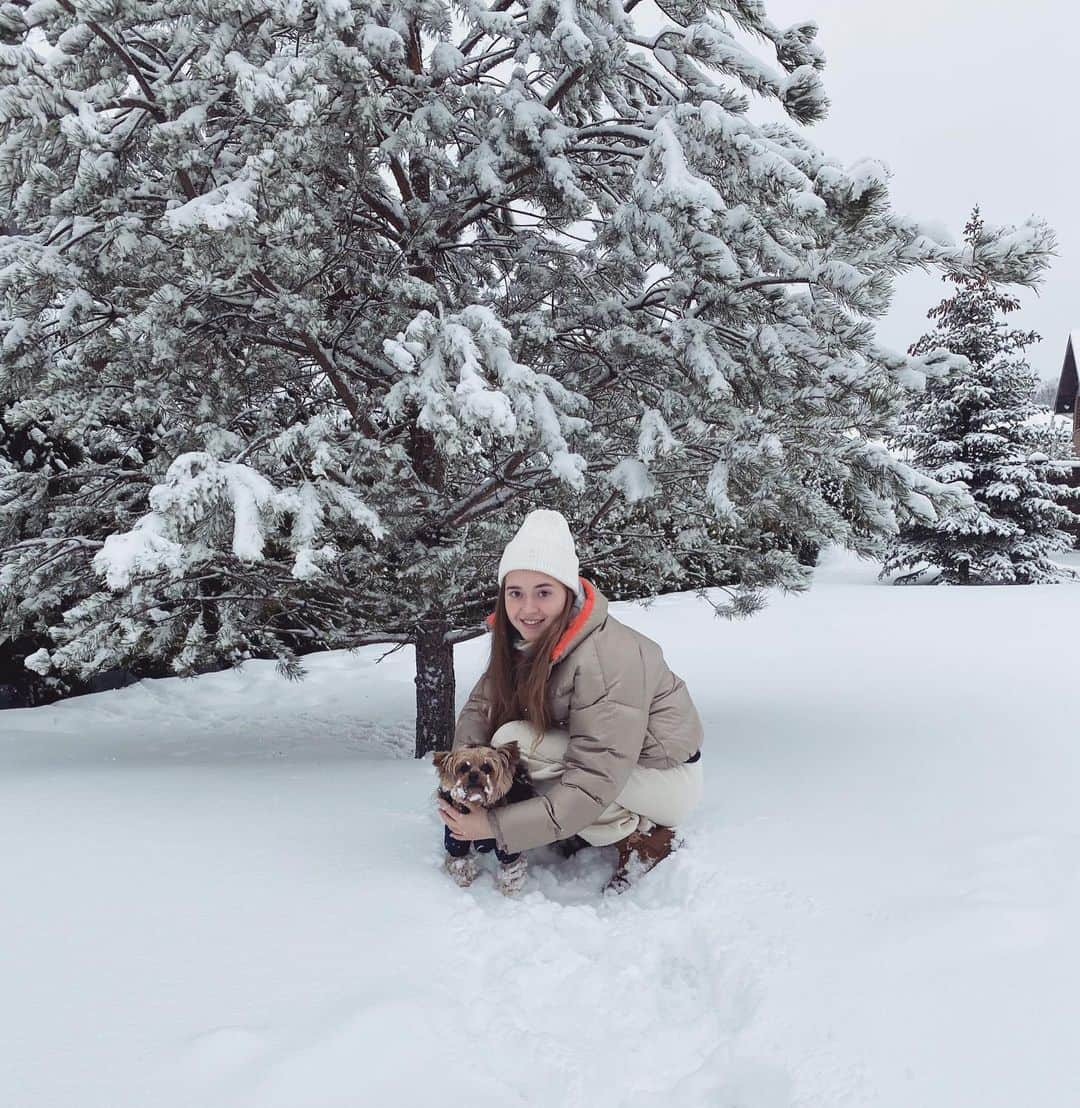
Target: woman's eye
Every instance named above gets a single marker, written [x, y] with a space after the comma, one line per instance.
[485, 768]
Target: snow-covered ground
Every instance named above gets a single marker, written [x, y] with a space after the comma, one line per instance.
[227, 891]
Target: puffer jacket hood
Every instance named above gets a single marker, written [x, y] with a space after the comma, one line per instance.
[593, 613]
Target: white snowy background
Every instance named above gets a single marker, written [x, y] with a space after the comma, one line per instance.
[968, 103]
[227, 891]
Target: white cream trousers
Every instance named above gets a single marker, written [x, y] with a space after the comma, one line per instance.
[650, 796]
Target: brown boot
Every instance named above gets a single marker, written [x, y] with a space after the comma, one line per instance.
[638, 853]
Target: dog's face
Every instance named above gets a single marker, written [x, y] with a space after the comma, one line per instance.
[478, 774]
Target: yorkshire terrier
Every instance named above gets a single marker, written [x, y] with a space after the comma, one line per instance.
[488, 777]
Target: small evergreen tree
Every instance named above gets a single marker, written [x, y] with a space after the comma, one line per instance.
[978, 426]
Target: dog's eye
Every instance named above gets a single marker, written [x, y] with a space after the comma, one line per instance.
[486, 767]
[463, 768]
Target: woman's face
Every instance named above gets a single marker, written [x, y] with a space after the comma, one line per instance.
[533, 601]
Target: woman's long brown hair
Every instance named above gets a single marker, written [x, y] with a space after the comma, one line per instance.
[517, 679]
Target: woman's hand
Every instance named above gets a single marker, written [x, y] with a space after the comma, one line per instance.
[466, 826]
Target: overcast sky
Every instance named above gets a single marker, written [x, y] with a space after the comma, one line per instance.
[967, 101]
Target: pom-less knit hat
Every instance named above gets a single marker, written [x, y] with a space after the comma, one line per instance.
[544, 545]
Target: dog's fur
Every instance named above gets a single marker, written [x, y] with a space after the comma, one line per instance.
[485, 777]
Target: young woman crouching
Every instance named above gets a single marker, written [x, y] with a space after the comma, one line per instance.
[610, 735]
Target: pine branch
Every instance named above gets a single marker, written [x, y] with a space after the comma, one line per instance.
[468, 44]
[453, 638]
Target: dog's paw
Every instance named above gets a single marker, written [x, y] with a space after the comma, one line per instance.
[462, 870]
[510, 877]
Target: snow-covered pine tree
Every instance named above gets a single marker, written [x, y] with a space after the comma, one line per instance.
[977, 425]
[389, 272]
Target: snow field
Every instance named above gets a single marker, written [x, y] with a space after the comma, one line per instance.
[227, 891]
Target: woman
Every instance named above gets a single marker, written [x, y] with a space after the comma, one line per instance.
[610, 735]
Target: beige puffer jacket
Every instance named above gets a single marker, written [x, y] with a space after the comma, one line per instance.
[612, 690]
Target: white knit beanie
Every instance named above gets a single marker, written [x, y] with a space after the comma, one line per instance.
[544, 545]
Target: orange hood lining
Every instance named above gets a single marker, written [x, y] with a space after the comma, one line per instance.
[576, 623]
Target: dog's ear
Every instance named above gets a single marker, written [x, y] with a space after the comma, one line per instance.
[511, 754]
[440, 759]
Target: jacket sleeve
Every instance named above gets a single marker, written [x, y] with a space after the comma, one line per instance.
[607, 724]
[472, 723]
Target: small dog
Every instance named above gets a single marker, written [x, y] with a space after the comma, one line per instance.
[489, 777]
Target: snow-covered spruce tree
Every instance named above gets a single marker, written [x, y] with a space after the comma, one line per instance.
[389, 272]
[977, 425]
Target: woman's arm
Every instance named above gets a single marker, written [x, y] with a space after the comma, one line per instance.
[607, 724]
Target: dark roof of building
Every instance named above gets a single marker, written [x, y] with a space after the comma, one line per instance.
[1067, 386]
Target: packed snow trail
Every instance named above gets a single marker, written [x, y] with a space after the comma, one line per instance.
[226, 893]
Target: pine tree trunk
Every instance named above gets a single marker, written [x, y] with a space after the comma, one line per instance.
[434, 687]
[434, 656]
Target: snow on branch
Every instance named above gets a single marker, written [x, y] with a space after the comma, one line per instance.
[459, 372]
[1013, 254]
[226, 205]
[205, 502]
